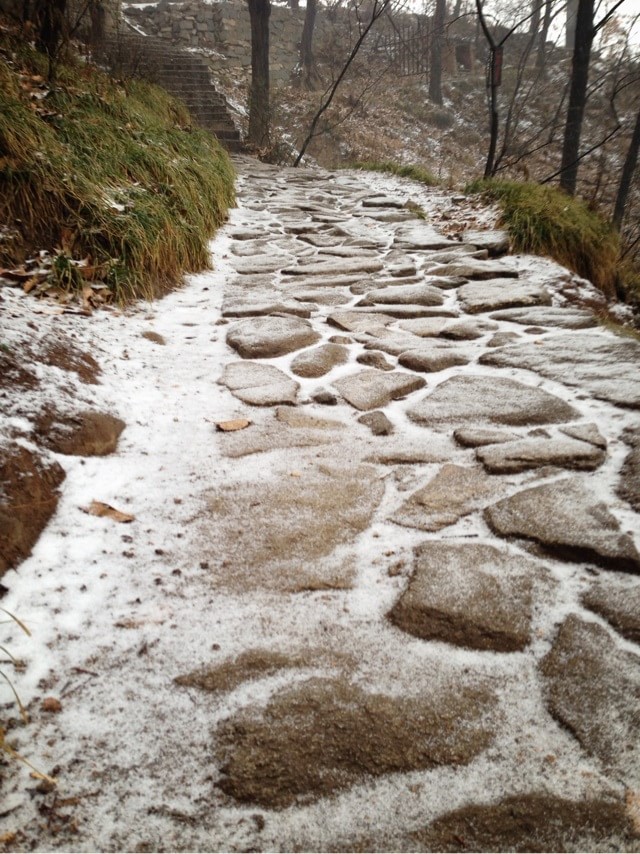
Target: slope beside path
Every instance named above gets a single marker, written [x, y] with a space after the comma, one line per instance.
[374, 581]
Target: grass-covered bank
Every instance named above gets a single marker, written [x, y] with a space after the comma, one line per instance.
[389, 167]
[108, 172]
[545, 221]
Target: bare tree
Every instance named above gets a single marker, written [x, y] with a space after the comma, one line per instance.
[259, 110]
[585, 33]
[378, 8]
[494, 79]
[630, 163]
[307, 63]
[435, 65]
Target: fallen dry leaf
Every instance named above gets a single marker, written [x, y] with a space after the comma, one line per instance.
[99, 508]
[231, 426]
[8, 838]
[51, 704]
[632, 799]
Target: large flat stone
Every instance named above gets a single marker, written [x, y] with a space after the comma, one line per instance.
[405, 295]
[566, 519]
[422, 236]
[319, 361]
[470, 268]
[497, 400]
[454, 492]
[603, 365]
[490, 295]
[281, 533]
[619, 605]
[373, 389]
[268, 337]
[434, 359]
[260, 385]
[343, 267]
[495, 241]
[592, 687]
[629, 485]
[468, 595]
[535, 821]
[565, 317]
[532, 453]
[357, 321]
[326, 735]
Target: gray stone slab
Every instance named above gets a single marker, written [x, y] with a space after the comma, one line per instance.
[489, 295]
[321, 736]
[422, 236]
[496, 400]
[469, 595]
[433, 359]
[470, 268]
[618, 604]
[592, 687]
[586, 433]
[566, 519]
[468, 330]
[531, 453]
[262, 309]
[260, 385]
[477, 437]
[347, 266]
[267, 337]
[565, 317]
[534, 821]
[495, 241]
[629, 485]
[404, 295]
[603, 365]
[357, 321]
[454, 492]
[373, 389]
[319, 361]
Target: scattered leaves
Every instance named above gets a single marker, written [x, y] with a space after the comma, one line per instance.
[99, 508]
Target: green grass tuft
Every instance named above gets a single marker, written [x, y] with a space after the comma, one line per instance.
[109, 171]
[545, 221]
[416, 173]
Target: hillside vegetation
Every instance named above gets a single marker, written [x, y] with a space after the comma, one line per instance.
[108, 176]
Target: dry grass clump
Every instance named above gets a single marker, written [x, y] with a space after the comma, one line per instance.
[107, 171]
[545, 221]
[416, 173]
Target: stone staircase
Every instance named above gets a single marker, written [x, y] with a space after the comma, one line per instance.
[184, 74]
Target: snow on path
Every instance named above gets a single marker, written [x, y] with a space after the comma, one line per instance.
[118, 611]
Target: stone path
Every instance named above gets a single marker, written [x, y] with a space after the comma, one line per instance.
[422, 552]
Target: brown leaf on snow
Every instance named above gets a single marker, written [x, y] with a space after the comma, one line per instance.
[51, 704]
[632, 799]
[231, 426]
[99, 508]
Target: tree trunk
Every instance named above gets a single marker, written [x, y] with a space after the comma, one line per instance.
[534, 23]
[259, 12]
[541, 56]
[626, 178]
[306, 43]
[577, 96]
[435, 65]
[571, 24]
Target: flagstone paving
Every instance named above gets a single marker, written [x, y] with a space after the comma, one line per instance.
[437, 649]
